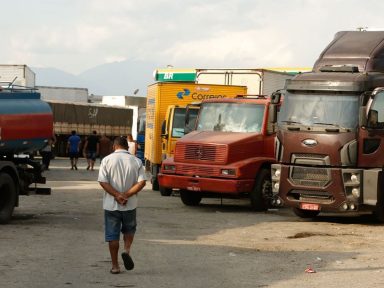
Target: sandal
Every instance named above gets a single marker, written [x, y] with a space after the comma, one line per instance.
[114, 271]
[128, 262]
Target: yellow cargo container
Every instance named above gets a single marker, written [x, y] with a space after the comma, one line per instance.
[162, 94]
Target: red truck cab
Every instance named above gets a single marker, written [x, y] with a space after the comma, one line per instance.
[228, 155]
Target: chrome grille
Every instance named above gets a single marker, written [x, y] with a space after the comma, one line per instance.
[201, 152]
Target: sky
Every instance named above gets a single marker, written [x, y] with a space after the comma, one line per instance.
[77, 35]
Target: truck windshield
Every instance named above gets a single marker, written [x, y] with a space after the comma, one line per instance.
[230, 117]
[179, 121]
[308, 109]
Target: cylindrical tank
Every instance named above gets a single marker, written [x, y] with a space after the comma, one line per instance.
[26, 122]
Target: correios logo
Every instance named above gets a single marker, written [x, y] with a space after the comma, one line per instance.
[183, 93]
[199, 95]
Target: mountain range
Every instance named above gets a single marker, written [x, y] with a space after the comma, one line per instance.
[117, 78]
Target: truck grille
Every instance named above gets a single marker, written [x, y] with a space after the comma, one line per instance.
[310, 176]
[323, 197]
[215, 154]
[197, 170]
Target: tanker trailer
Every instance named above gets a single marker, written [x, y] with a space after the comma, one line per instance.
[26, 124]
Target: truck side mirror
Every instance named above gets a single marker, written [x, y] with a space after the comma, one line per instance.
[272, 118]
[373, 117]
[163, 130]
[276, 97]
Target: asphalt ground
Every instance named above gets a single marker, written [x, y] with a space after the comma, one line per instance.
[58, 241]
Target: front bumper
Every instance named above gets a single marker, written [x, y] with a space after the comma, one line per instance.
[332, 194]
[199, 184]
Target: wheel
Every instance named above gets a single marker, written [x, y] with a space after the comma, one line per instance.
[8, 197]
[155, 184]
[305, 213]
[165, 191]
[379, 209]
[262, 191]
[190, 198]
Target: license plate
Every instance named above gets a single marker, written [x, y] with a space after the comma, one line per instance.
[308, 206]
[193, 188]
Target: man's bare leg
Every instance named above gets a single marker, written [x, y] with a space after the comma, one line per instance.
[114, 251]
[128, 239]
[128, 262]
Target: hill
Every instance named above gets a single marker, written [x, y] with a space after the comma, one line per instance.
[117, 78]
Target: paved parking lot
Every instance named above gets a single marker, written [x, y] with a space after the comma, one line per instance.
[57, 241]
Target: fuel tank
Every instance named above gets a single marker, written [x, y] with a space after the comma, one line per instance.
[26, 122]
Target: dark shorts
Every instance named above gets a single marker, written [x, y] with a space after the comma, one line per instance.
[91, 155]
[73, 155]
[119, 221]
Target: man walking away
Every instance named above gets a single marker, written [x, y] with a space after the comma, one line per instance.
[91, 149]
[105, 146]
[47, 153]
[122, 176]
[73, 148]
[132, 145]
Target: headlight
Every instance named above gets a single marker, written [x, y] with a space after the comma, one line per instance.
[356, 192]
[170, 168]
[354, 178]
[276, 186]
[277, 173]
[228, 172]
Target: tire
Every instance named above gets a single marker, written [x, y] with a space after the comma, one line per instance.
[8, 198]
[190, 198]
[378, 212]
[262, 191]
[165, 191]
[305, 213]
[155, 184]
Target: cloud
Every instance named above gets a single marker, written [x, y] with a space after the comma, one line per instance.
[77, 35]
[232, 48]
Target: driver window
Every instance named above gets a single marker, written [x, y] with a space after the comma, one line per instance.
[376, 113]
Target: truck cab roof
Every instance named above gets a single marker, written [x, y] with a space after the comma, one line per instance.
[361, 49]
[256, 99]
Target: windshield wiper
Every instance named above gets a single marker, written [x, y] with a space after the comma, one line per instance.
[336, 129]
[290, 122]
[328, 124]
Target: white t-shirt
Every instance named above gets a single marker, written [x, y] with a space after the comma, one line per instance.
[132, 147]
[121, 170]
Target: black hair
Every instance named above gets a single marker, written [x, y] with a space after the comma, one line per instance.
[121, 141]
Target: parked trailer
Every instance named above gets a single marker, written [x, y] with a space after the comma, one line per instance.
[20, 75]
[67, 94]
[258, 81]
[26, 124]
[85, 118]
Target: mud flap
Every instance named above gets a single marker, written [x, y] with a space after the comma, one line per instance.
[39, 191]
[379, 210]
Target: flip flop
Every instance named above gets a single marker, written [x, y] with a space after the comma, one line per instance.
[128, 262]
[114, 271]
